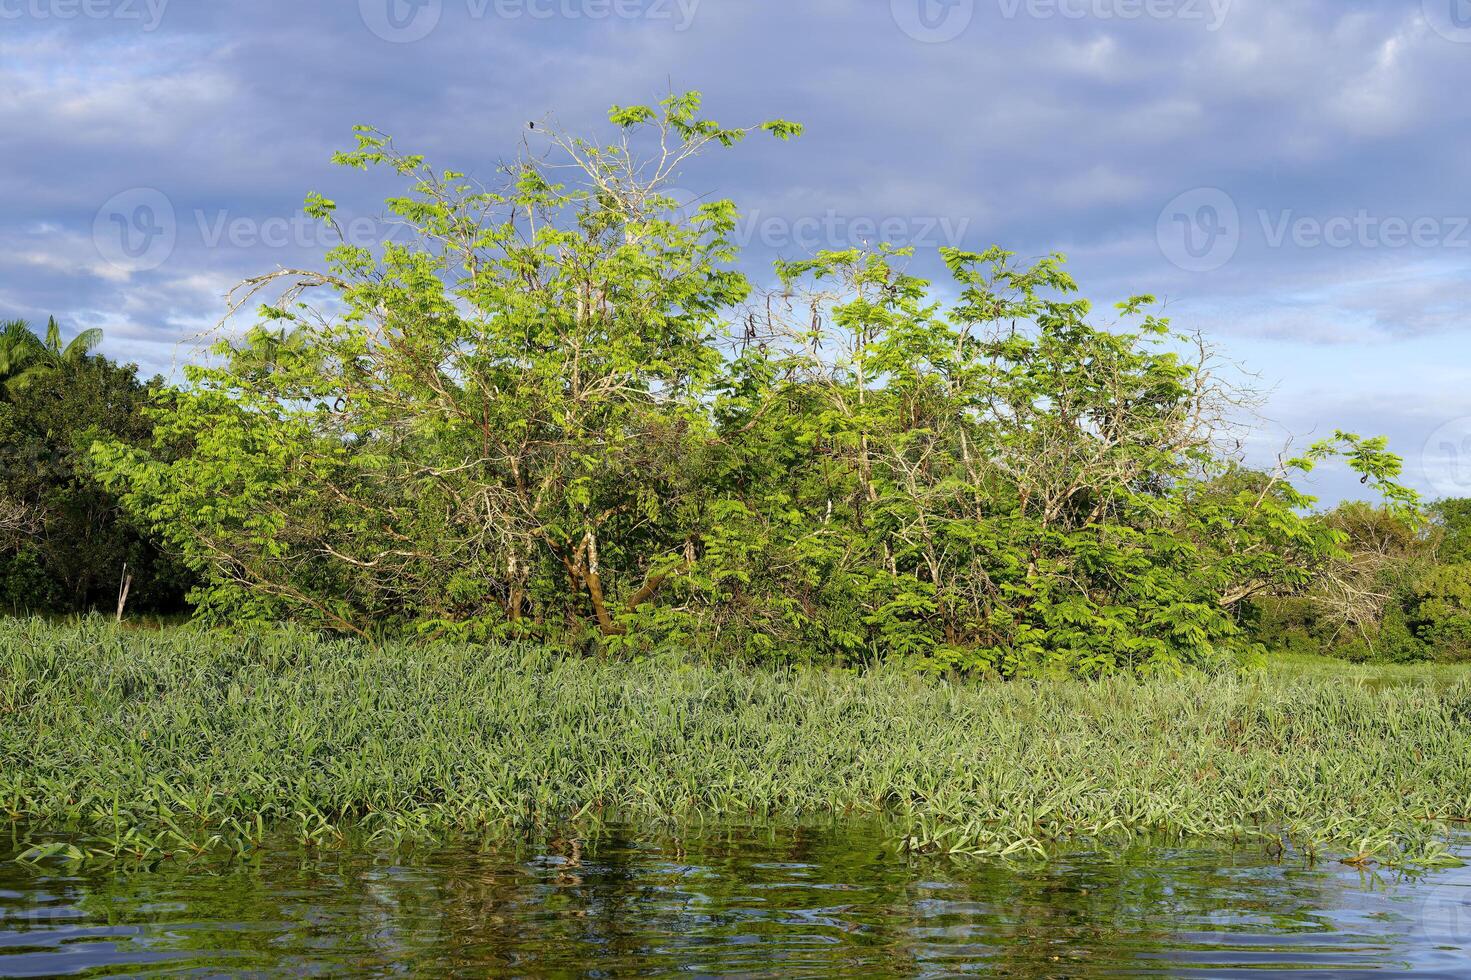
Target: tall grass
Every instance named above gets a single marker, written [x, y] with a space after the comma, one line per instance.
[183, 740]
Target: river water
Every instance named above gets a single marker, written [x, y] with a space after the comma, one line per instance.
[813, 901]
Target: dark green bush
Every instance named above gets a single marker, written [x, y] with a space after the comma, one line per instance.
[1402, 594]
[68, 545]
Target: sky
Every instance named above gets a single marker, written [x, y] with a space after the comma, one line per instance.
[1293, 179]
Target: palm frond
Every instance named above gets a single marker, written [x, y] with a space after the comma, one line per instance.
[19, 348]
[83, 344]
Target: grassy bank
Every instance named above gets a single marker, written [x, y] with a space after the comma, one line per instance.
[171, 740]
[1314, 667]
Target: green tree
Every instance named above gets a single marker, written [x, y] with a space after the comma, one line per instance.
[21, 354]
[1354, 607]
[1452, 518]
[499, 433]
[69, 543]
[557, 410]
[1003, 485]
[1439, 611]
[26, 357]
[58, 354]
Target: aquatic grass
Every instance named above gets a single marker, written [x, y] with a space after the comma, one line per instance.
[148, 744]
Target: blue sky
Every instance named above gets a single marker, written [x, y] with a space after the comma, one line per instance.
[1291, 178]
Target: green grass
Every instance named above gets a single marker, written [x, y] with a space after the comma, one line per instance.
[178, 741]
[1302, 665]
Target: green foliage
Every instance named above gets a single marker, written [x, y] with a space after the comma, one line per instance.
[555, 410]
[21, 354]
[1439, 613]
[156, 743]
[65, 545]
[26, 357]
[1398, 594]
[1452, 519]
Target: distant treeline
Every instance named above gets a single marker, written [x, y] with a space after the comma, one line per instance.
[1402, 595]
[65, 544]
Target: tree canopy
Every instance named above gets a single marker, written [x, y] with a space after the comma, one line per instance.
[25, 356]
[556, 409]
[65, 543]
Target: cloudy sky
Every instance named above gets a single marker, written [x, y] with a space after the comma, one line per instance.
[1293, 178]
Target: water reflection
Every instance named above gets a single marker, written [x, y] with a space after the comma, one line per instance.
[793, 901]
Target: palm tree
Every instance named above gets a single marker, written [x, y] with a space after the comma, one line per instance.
[25, 357]
[80, 348]
[22, 354]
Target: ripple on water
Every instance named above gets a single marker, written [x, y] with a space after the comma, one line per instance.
[799, 901]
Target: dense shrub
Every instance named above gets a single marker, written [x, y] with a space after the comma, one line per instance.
[558, 411]
[1399, 593]
[65, 544]
[1439, 613]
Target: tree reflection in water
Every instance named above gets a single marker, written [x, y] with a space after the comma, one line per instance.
[799, 901]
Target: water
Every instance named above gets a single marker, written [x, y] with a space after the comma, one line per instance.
[794, 901]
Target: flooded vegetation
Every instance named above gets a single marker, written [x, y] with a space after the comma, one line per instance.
[143, 745]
